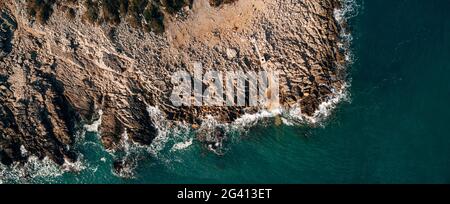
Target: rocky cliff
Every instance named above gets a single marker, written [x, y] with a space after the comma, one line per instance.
[64, 64]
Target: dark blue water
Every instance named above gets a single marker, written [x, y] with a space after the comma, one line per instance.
[396, 129]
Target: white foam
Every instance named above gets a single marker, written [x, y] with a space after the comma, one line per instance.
[294, 116]
[248, 120]
[165, 128]
[166, 132]
[325, 108]
[182, 145]
[161, 125]
[23, 151]
[348, 9]
[129, 147]
[287, 122]
[94, 127]
[33, 168]
[76, 166]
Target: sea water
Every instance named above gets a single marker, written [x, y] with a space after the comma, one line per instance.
[394, 127]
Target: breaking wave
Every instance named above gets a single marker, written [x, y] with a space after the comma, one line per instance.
[348, 9]
[294, 116]
[173, 137]
[177, 137]
[34, 170]
[94, 126]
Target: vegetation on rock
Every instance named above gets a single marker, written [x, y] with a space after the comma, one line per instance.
[217, 3]
[40, 9]
[146, 14]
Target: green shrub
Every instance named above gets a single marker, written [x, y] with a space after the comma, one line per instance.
[175, 6]
[123, 7]
[154, 18]
[135, 10]
[71, 13]
[217, 3]
[40, 9]
[92, 12]
[146, 14]
[111, 11]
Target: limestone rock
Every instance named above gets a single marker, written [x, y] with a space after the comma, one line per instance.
[57, 75]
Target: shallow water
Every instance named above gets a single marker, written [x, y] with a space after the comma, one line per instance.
[394, 130]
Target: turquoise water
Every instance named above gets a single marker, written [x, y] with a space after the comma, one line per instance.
[395, 129]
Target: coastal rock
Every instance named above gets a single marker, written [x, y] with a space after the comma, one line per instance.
[61, 66]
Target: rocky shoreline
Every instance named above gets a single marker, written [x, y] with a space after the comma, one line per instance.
[60, 72]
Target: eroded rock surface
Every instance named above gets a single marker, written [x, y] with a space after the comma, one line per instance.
[57, 74]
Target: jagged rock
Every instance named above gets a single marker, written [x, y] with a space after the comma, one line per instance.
[65, 70]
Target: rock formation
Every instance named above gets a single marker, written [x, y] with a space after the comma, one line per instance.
[61, 62]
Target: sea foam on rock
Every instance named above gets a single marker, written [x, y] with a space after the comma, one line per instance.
[71, 69]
